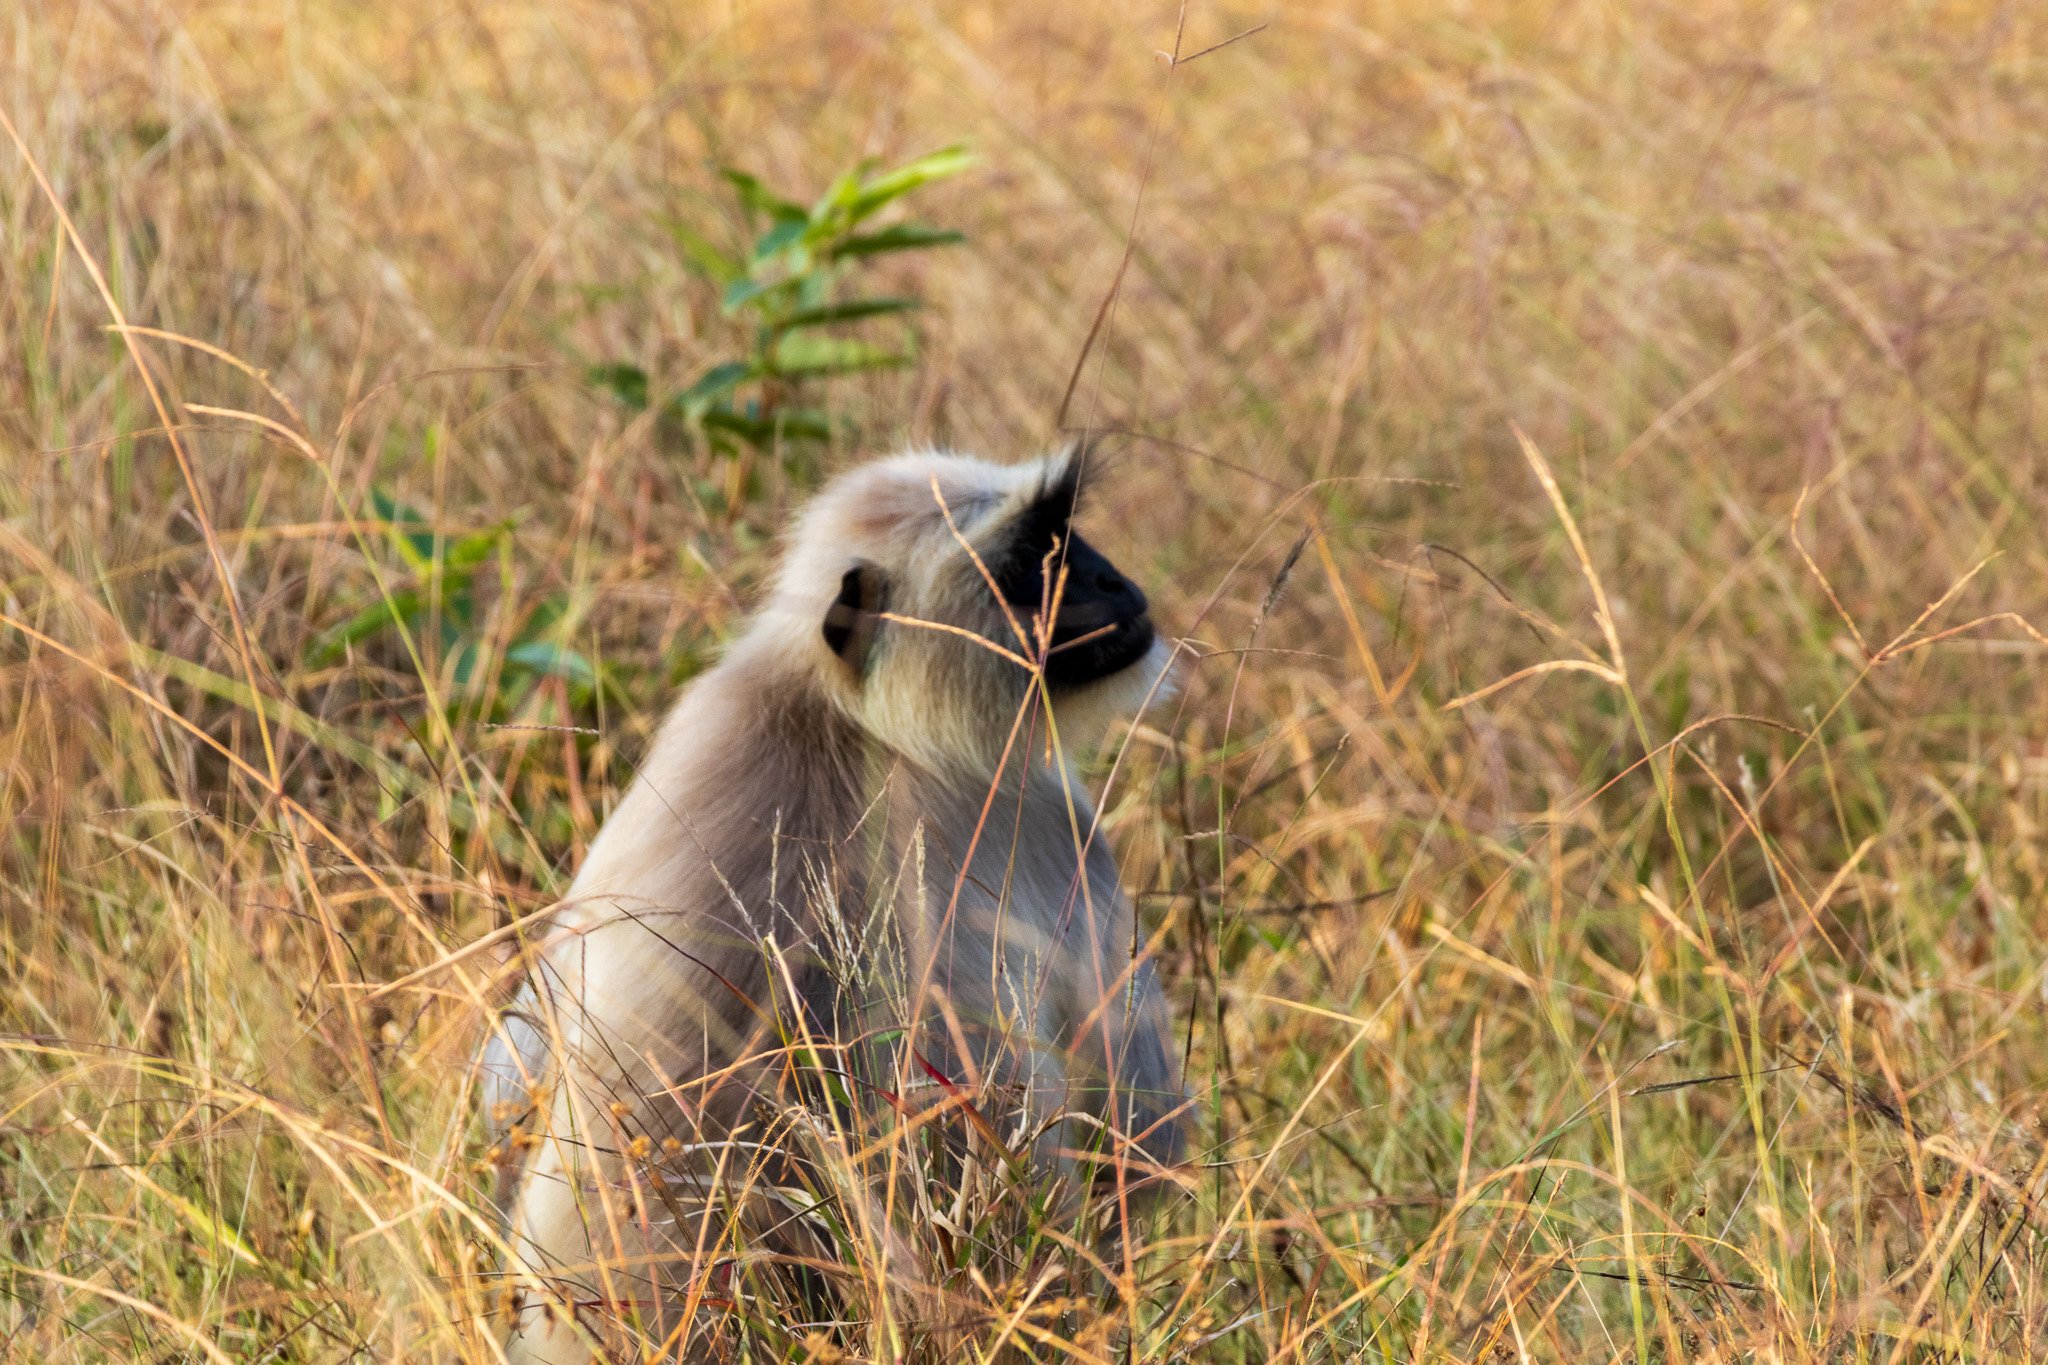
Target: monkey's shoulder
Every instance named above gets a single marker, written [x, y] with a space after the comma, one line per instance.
[748, 766]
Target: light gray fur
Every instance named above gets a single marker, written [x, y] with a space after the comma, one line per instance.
[787, 799]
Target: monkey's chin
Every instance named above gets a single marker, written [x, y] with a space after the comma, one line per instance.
[1087, 712]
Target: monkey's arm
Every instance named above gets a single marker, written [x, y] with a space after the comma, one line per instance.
[1120, 1033]
[514, 1060]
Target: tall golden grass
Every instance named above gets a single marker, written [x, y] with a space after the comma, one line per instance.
[1599, 860]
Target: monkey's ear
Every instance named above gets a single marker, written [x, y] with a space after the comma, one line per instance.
[853, 618]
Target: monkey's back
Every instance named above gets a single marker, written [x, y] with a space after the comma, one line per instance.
[769, 844]
[724, 837]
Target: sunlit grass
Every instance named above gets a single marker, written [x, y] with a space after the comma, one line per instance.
[1599, 862]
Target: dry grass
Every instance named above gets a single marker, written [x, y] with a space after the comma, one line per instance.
[1681, 1000]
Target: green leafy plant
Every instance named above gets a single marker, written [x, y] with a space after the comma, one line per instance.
[788, 289]
[439, 608]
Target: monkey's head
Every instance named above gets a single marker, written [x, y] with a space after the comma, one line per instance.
[935, 589]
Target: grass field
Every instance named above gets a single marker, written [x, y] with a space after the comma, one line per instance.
[1598, 449]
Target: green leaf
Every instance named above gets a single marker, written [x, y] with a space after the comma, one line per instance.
[710, 386]
[628, 383]
[841, 195]
[847, 311]
[403, 605]
[416, 548]
[789, 424]
[465, 660]
[551, 660]
[885, 189]
[545, 614]
[901, 237]
[471, 550]
[391, 509]
[759, 197]
[811, 355]
[813, 290]
[749, 428]
[744, 291]
[786, 233]
[802, 424]
[703, 255]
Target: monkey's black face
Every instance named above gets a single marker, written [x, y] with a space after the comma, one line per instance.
[1100, 621]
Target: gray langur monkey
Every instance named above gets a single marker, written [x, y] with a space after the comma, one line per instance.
[885, 744]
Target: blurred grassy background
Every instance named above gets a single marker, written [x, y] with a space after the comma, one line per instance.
[1684, 1004]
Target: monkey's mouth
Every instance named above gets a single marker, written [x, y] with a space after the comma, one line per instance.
[1090, 642]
